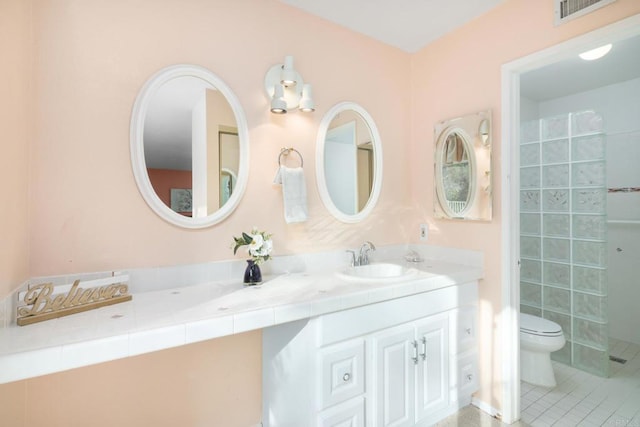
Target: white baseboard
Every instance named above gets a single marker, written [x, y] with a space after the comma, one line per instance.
[485, 407]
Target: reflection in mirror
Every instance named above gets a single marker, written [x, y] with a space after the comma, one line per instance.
[190, 136]
[463, 167]
[349, 157]
[456, 173]
[348, 162]
[189, 146]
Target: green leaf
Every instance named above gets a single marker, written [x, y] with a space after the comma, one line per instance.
[247, 239]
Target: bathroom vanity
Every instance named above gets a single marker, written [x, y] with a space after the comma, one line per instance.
[336, 349]
[402, 362]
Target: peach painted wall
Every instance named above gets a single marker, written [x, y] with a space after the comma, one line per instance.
[198, 385]
[15, 115]
[460, 74]
[93, 56]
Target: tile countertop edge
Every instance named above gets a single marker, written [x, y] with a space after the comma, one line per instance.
[57, 358]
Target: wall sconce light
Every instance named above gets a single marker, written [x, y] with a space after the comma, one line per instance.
[483, 131]
[286, 89]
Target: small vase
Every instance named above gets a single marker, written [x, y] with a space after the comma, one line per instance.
[252, 275]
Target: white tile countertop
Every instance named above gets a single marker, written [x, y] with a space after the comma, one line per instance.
[156, 320]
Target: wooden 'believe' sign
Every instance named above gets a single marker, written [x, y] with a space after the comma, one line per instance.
[45, 301]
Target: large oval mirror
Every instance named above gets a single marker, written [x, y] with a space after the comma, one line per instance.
[349, 162]
[455, 172]
[189, 146]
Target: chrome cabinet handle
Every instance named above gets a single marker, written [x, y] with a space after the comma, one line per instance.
[346, 377]
[424, 348]
[415, 352]
[468, 330]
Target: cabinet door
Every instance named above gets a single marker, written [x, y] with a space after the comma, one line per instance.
[463, 329]
[433, 367]
[394, 377]
[341, 374]
[349, 414]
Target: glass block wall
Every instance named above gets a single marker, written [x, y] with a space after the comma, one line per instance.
[563, 233]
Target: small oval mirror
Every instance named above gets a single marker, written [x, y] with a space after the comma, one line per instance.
[463, 167]
[189, 146]
[454, 172]
[348, 162]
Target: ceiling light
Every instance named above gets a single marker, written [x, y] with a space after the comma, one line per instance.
[596, 53]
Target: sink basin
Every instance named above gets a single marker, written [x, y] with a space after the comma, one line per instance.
[379, 272]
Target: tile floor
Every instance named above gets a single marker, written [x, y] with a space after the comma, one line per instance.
[585, 400]
[579, 400]
[470, 416]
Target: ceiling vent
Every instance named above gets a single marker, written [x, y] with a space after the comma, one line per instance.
[566, 10]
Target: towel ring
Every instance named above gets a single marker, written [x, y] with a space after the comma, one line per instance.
[286, 152]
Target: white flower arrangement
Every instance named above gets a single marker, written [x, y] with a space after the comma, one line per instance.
[259, 245]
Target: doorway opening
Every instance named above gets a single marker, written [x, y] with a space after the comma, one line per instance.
[512, 76]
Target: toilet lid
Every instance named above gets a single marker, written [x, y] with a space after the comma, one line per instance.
[538, 326]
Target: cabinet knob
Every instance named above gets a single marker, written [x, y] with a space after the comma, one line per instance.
[469, 377]
[468, 331]
[346, 377]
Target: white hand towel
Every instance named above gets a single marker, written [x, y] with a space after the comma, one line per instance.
[277, 180]
[294, 194]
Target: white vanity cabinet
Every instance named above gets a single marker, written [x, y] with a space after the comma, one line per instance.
[410, 371]
[400, 362]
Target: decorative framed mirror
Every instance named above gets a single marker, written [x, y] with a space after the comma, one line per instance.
[348, 162]
[189, 146]
[462, 168]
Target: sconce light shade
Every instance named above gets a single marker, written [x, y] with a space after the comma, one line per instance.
[483, 131]
[278, 104]
[288, 74]
[286, 90]
[306, 102]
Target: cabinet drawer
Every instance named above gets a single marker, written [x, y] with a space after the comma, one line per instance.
[349, 414]
[341, 372]
[464, 378]
[464, 326]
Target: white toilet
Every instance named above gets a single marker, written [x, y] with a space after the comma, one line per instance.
[538, 338]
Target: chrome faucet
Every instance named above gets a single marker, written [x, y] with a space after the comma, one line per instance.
[354, 261]
[363, 257]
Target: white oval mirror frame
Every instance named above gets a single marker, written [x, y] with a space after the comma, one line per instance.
[138, 162]
[439, 178]
[320, 162]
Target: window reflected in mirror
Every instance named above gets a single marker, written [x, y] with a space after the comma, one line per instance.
[456, 173]
[463, 167]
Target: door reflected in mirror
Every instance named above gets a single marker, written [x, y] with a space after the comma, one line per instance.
[191, 146]
[349, 162]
